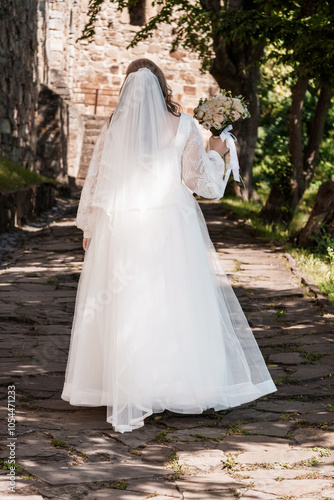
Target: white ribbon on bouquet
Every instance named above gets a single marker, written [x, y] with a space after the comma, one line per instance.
[234, 162]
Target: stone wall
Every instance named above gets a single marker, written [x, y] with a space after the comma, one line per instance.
[87, 74]
[59, 27]
[18, 79]
[44, 68]
[34, 120]
[101, 65]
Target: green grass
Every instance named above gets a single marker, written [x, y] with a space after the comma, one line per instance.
[230, 463]
[162, 437]
[323, 452]
[317, 268]
[119, 485]
[173, 464]
[250, 212]
[311, 462]
[13, 176]
[234, 429]
[312, 357]
[59, 443]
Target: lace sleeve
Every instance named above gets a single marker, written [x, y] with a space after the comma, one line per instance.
[85, 212]
[202, 172]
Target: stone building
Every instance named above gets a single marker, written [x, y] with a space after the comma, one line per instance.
[55, 91]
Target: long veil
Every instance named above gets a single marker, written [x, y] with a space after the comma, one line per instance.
[135, 170]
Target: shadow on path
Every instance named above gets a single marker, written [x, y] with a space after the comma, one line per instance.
[278, 445]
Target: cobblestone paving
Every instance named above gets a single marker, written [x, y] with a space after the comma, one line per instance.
[279, 447]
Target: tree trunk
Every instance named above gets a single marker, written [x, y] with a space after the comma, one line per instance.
[311, 155]
[273, 211]
[282, 200]
[235, 68]
[228, 69]
[321, 215]
[298, 92]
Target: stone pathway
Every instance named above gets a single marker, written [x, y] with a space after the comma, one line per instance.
[279, 447]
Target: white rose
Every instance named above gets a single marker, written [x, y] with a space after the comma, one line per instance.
[238, 105]
[218, 118]
[207, 125]
[200, 114]
[209, 115]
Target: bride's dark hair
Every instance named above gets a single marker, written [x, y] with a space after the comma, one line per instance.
[134, 66]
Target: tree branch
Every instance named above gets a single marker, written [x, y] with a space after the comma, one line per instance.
[312, 149]
[295, 130]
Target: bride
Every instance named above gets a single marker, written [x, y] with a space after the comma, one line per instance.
[156, 325]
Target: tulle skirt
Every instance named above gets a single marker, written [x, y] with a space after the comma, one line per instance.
[157, 325]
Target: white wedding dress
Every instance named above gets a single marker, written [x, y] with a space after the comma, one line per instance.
[157, 325]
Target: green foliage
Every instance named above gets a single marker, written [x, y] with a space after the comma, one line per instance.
[301, 35]
[94, 7]
[5, 465]
[13, 176]
[272, 159]
[325, 169]
[273, 135]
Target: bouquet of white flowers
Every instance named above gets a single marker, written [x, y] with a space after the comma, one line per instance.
[220, 111]
[217, 115]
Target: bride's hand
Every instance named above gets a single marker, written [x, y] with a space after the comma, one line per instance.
[85, 243]
[218, 145]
